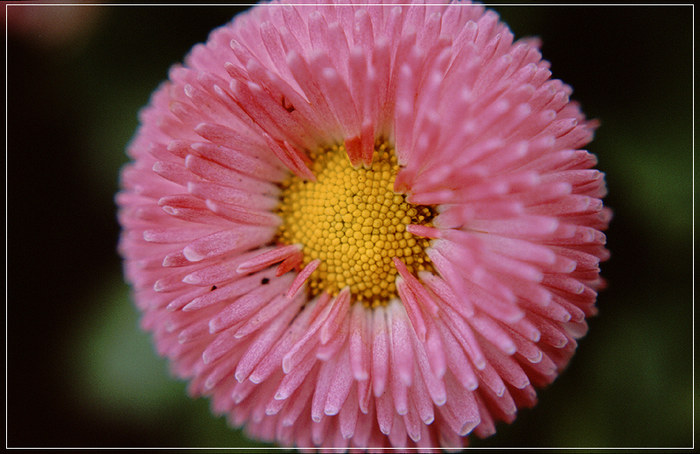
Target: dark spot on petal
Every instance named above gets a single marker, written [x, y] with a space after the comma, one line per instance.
[213, 287]
[264, 281]
[287, 105]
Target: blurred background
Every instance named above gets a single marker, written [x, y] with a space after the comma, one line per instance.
[80, 372]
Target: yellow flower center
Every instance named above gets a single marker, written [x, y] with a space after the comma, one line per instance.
[353, 221]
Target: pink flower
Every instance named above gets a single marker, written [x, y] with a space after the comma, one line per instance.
[364, 226]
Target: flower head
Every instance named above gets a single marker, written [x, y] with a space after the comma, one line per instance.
[364, 225]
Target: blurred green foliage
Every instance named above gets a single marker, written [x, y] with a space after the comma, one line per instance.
[80, 371]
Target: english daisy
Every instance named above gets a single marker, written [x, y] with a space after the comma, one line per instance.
[364, 225]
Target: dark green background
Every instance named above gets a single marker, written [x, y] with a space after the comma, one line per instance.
[81, 373]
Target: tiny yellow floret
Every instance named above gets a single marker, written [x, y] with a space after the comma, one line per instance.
[353, 221]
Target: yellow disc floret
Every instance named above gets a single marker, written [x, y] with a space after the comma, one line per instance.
[353, 221]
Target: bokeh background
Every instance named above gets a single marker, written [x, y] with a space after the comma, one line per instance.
[80, 372]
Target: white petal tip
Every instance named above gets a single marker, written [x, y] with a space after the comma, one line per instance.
[440, 400]
[331, 411]
[191, 279]
[361, 375]
[468, 427]
[212, 327]
[286, 365]
[192, 255]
